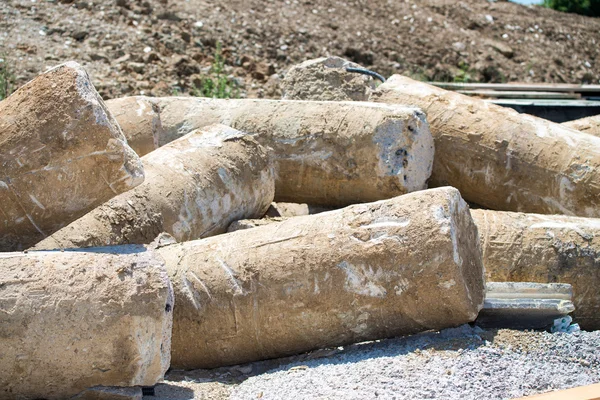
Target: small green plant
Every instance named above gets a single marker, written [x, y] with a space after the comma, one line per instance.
[216, 84]
[590, 8]
[6, 78]
[463, 75]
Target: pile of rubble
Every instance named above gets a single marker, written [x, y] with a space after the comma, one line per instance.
[125, 240]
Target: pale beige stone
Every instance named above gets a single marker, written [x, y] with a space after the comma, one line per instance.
[368, 271]
[501, 159]
[61, 155]
[327, 153]
[326, 79]
[136, 116]
[545, 249]
[73, 320]
[195, 187]
[589, 125]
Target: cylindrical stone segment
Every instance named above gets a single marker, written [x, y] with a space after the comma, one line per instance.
[546, 249]
[194, 188]
[138, 116]
[589, 125]
[501, 159]
[327, 153]
[61, 155]
[369, 271]
[74, 320]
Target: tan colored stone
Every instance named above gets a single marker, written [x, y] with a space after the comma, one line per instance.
[136, 116]
[589, 125]
[327, 153]
[545, 249]
[195, 187]
[61, 155]
[365, 272]
[326, 79]
[74, 320]
[501, 159]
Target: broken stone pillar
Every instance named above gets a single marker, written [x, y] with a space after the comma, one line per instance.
[326, 79]
[365, 272]
[137, 116]
[589, 125]
[195, 187]
[501, 159]
[331, 154]
[74, 320]
[61, 155]
[546, 249]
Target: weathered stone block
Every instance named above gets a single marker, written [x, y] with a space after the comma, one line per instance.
[61, 155]
[326, 79]
[501, 159]
[521, 247]
[589, 125]
[365, 272]
[73, 320]
[195, 187]
[327, 153]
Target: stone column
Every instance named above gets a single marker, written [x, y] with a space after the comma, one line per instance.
[195, 187]
[327, 153]
[74, 320]
[501, 159]
[546, 249]
[369, 271]
[61, 155]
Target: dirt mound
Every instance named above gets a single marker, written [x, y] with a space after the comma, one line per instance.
[162, 47]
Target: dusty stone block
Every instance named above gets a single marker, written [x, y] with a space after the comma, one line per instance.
[521, 247]
[326, 153]
[589, 125]
[136, 116]
[73, 320]
[61, 155]
[365, 272]
[195, 187]
[501, 159]
[326, 79]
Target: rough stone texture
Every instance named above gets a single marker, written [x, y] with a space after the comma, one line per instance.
[365, 272]
[61, 155]
[546, 249]
[195, 187]
[327, 153]
[294, 209]
[136, 116]
[501, 159]
[590, 125]
[78, 319]
[326, 79]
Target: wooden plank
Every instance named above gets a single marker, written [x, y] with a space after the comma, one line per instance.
[520, 94]
[538, 87]
[590, 392]
[545, 103]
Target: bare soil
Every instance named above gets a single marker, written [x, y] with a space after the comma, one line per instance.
[161, 47]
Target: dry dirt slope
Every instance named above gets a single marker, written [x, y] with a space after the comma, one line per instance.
[158, 45]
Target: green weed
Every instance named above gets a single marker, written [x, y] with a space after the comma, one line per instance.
[216, 84]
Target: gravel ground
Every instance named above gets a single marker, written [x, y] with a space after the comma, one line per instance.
[460, 363]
